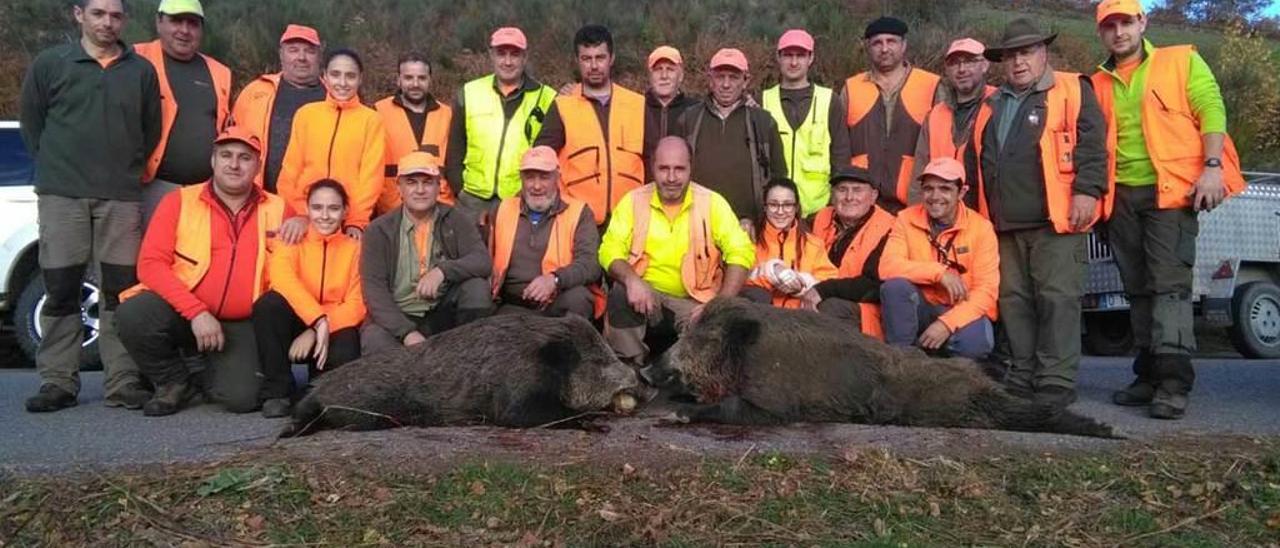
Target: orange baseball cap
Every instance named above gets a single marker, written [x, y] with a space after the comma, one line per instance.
[1107, 8]
[966, 45]
[665, 53]
[540, 158]
[241, 135]
[418, 162]
[508, 36]
[796, 38]
[945, 168]
[729, 57]
[300, 32]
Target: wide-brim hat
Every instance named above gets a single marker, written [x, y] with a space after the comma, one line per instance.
[1019, 33]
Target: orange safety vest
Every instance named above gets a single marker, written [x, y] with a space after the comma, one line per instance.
[596, 169]
[891, 160]
[941, 122]
[252, 111]
[855, 257]
[400, 142]
[559, 252]
[1170, 129]
[195, 239]
[782, 246]
[1057, 152]
[221, 75]
[701, 270]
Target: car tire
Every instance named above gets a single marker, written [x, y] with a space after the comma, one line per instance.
[26, 322]
[1108, 334]
[1255, 329]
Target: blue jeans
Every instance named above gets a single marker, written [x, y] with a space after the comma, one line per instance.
[905, 313]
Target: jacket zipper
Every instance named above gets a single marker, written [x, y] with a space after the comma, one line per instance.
[497, 163]
[328, 168]
[324, 269]
[235, 247]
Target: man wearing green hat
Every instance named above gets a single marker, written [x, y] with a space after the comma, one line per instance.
[1040, 141]
[195, 90]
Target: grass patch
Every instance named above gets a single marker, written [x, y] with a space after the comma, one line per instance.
[1177, 496]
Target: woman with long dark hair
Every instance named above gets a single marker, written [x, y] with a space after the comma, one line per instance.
[789, 260]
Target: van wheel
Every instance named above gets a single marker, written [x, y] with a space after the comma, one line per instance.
[1108, 334]
[26, 321]
[1255, 311]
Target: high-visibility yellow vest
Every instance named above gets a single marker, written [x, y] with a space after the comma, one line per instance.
[807, 149]
[494, 143]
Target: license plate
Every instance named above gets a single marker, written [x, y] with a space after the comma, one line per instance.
[1112, 301]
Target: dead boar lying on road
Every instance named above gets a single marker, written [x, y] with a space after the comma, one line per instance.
[518, 371]
[755, 364]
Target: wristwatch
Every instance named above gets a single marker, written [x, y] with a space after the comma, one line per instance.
[556, 277]
[1213, 162]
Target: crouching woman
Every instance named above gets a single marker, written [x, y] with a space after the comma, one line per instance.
[313, 312]
[789, 260]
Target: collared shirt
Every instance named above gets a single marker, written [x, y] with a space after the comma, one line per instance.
[416, 259]
[1010, 103]
[668, 240]
[890, 96]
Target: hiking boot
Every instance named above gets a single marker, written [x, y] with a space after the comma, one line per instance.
[50, 398]
[275, 408]
[168, 400]
[1057, 396]
[1138, 393]
[1167, 404]
[132, 396]
[1019, 391]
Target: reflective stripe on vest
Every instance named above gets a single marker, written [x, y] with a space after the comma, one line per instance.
[596, 169]
[701, 270]
[221, 75]
[494, 142]
[559, 252]
[855, 257]
[193, 244]
[891, 161]
[401, 141]
[807, 149]
[1170, 129]
[1057, 151]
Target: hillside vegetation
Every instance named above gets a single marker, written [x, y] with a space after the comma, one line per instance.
[243, 33]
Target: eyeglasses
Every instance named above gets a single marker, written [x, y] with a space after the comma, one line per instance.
[780, 206]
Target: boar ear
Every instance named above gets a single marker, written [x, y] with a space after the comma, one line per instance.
[561, 356]
[741, 332]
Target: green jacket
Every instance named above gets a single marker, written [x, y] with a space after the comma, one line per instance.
[90, 128]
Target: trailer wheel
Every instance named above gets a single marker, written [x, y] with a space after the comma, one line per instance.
[1108, 334]
[1255, 309]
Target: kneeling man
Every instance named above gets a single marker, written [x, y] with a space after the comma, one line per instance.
[671, 246]
[544, 250]
[941, 268]
[201, 267]
[424, 266]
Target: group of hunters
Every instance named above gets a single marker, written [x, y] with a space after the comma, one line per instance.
[295, 224]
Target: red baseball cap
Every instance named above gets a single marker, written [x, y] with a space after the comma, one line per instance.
[300, 32]
[729, 57]
[966, 45]
[1107, 8]
[665, 53]
[945, 168]
[796, 38]
[241, 135]
[508, 36]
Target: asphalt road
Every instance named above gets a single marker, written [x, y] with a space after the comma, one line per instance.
[1233, 396]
